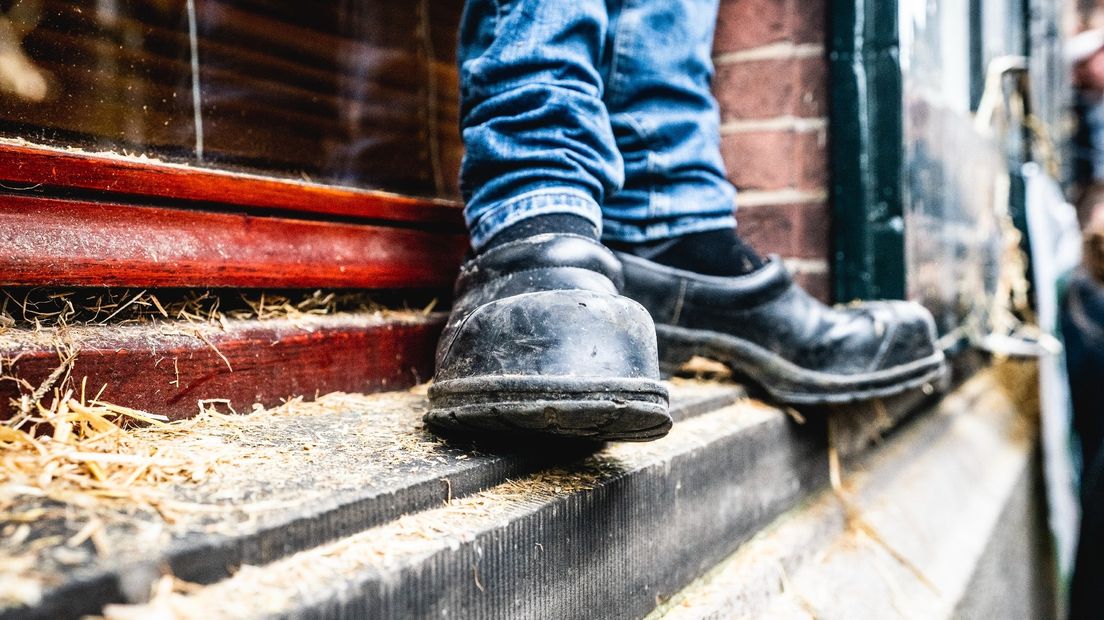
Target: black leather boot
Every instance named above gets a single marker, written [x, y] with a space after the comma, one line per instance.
[768, 330]
[540, 341]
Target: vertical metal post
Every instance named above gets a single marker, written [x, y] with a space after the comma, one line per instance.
[866, 149]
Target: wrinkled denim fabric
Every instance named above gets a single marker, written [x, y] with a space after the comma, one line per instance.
[599, 108]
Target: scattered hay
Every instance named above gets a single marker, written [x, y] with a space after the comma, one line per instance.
[37, 320]
[1018, 379]
[788, 587]
[699, 369]
[45, 308]
[857, 426]
[81, 451]
[94, 454]
[81, 478]
[76, 453]
[855, 520]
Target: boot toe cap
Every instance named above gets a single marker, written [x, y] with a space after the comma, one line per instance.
[553, 333]
[910, 332]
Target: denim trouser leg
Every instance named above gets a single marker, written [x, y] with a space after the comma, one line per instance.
[666, 121]
[537, 133]
[537, 78]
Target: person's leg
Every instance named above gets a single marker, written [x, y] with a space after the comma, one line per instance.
[658, 69]
[1088, 571]
[673, 226]
[537, 135]
[539, 340]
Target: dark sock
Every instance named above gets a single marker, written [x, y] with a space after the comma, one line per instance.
[711, 253]
[561, 223]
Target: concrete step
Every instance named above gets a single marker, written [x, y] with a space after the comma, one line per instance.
[278, 484]
[947, 520]
[607, 536]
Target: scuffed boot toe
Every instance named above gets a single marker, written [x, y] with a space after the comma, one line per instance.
[575, 363]
[909, 333]
[540, 343]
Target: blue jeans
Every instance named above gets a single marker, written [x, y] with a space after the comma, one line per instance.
[599, 108]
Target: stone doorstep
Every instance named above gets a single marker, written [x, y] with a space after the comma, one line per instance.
[948, 521]
[304, 482]
[610, 535]
[299, 481]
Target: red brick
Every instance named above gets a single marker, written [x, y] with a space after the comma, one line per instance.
[811, 159]
[816, 232]
[811, 99]
[744, 24]
[759, 160]
[818, 285]
[808, 21]
[759, 89]
[770, 229]
[789, 230]
[768, 88]
[772, 160]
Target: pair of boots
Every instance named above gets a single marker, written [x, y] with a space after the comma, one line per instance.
[555, 334]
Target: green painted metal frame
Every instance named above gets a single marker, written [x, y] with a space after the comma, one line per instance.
[866, 107]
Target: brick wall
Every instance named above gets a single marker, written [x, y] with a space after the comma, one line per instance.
[771, 83]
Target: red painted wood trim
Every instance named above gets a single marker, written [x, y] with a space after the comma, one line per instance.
[168, 373]
[34, 166]
[51, 242]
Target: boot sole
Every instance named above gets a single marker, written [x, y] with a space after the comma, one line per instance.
[570, 407]
[788, 383]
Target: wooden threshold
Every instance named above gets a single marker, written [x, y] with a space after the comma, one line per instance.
[58, 243]
[26, 166]
[168, 368]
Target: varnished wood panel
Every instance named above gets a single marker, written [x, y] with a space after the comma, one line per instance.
[52, 242]
[42, 168]
[168, 370]
[362, 93]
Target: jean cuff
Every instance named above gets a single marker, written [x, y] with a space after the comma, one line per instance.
[530, 204]
[630, 232]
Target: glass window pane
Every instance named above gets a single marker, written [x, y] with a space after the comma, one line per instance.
[97, 75]
[352, 92]
[955, 176]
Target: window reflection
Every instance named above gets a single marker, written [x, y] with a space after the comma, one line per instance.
[352, 92]
[955, 177]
